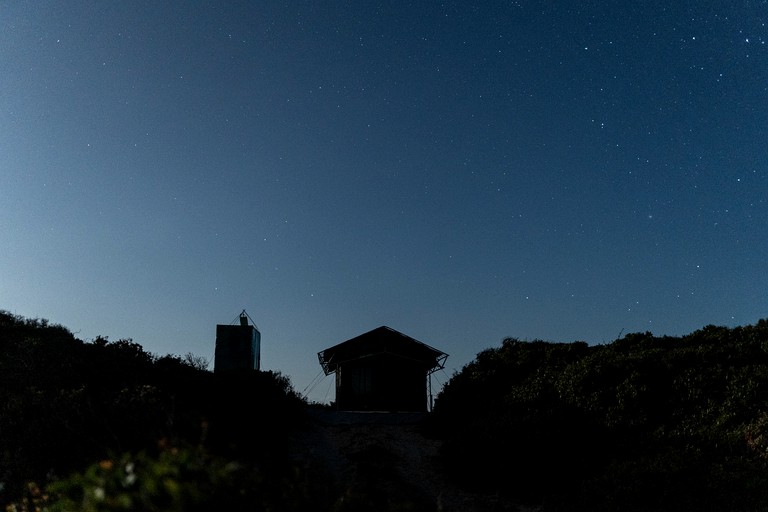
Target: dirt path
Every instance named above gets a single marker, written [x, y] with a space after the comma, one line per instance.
[383, 462]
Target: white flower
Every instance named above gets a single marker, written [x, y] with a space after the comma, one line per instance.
[99, 494]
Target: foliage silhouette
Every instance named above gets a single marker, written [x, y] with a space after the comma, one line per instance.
[643, 423]
[67, 404]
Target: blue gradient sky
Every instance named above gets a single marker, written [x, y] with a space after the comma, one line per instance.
[459, 172]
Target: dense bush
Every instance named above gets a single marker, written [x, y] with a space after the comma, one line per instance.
[178, 479]
[66, 404]
[643, 423]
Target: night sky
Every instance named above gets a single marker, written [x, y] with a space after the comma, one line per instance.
[458, 172]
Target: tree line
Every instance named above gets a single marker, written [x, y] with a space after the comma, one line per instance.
[642, 423]
[105, 425]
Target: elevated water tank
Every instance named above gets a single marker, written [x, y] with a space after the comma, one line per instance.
[238, 347]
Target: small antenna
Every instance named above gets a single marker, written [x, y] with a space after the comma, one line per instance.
[243, 318]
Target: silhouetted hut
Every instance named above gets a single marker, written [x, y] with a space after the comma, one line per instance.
[381, 370]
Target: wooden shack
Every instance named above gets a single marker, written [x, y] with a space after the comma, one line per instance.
[382, 370]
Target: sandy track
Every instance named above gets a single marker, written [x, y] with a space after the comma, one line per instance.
[384, 462]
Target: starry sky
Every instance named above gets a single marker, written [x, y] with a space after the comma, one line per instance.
[460, 172]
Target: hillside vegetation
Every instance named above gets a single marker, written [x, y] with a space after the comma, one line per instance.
[644, 423]
[107, 426]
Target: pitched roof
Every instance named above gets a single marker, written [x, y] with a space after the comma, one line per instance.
[382, 340]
